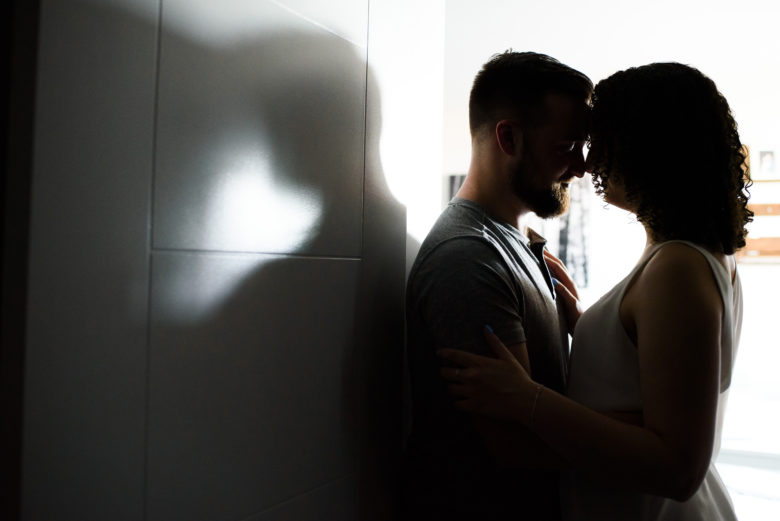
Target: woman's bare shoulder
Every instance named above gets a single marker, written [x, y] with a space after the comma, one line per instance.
[675, 272]
[678, 259]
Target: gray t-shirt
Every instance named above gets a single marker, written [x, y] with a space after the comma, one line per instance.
[471, 271]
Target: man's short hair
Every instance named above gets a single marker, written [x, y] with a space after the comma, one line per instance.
[514, 84]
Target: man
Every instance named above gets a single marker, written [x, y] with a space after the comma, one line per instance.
[528, 118]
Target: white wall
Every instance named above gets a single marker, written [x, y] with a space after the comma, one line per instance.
[407, 50]
[217, 263]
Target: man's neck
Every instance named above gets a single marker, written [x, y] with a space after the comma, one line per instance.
[498, 202]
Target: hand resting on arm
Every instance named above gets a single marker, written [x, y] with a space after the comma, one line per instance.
[677, 323]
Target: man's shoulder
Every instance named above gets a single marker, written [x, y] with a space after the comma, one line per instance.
[461, 259]
[464, 230]
[461, 218]
[463, 278]
[459, 235]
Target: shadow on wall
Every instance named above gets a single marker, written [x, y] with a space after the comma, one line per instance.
[273, 376]
[277, 273]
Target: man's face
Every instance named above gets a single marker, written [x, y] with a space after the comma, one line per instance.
[552, 156]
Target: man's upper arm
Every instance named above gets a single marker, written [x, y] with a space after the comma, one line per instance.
[466, 285]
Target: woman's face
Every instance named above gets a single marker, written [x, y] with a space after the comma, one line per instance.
[614, 190]
[615, 193]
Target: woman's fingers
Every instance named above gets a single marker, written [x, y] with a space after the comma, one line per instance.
[563, 277]
[551, 259]
[461, 390]
[463, 358]
[456, 374]
[468, 406]
[498, 346]
[558, 271]
[571, 306]
[554, 264]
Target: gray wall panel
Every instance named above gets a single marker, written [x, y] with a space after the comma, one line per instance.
[252, 381]
[85, 361]
[260, 132]
[266, 385]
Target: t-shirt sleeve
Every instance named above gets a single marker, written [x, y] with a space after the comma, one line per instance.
[464, 285]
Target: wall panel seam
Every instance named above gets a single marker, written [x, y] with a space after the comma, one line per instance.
[248, 253]
[324, 27]
[365, 134]
[150, 257]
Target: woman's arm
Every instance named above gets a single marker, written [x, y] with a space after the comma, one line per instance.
[513, 444]
[677, 322]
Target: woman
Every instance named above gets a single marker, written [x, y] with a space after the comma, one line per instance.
[651, 360]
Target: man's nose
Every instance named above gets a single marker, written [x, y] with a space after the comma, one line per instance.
[589, 162]
[577, 166]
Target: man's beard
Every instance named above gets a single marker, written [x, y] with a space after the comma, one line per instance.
[544, 201]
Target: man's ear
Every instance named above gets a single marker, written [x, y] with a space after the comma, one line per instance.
[509, 137]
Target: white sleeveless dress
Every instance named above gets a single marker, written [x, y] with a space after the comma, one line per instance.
[604, 375]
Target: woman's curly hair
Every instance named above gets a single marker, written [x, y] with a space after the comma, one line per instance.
[665, 133]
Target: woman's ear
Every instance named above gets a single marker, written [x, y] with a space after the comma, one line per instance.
[509, 137]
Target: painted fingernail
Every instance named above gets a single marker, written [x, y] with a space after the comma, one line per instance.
[555, 281]
[489, 329]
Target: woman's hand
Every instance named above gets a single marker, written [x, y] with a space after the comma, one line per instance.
[496, 387]
[566, 290]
